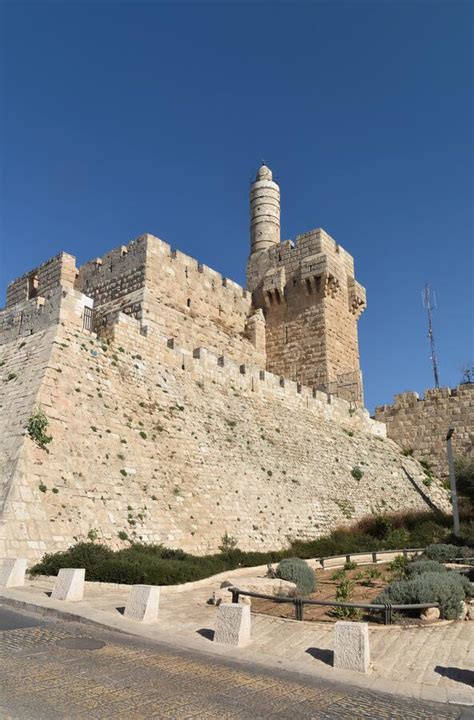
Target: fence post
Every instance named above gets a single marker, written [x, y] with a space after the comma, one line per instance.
[298, 608]
[374, 557]
[235, 595]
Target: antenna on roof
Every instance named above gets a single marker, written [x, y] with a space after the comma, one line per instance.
[429, 303]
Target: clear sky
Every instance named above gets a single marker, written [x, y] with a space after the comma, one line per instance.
[120, 118]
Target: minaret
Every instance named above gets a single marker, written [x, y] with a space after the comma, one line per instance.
[264, 211]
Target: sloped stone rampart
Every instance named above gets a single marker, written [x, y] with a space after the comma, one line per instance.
[155, 444]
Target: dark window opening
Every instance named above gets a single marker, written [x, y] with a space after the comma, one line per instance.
[32, 286]
[188, 302]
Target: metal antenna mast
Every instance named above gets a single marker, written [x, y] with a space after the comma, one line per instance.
[429, 303]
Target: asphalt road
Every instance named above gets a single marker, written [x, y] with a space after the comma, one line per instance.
[53, 670]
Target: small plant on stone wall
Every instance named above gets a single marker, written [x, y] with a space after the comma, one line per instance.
[357, 473]
[42, 487]
[93, 534]
[407, 452]
[37, 426]
[122, 535]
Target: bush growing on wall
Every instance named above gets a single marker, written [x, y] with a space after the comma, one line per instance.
[37, 426]
[297, 571]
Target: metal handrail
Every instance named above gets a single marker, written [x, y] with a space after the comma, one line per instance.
[374, 553]
[299, 603]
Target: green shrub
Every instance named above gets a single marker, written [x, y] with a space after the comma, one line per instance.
[446, 553]
[464, 467]
[297, 571]
[448, 589]
[398, 566]
[421, 566]
[37, 426]
[357, 473]
[82, 555]
[350, 565]
[398, 538]
[228, 543]
[344, 592]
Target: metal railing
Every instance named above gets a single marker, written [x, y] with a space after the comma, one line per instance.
[375, 554]
[386, 608]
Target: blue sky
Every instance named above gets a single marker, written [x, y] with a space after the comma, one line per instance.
[120, 118]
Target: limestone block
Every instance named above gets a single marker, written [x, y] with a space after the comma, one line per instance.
[12, 572]
[69, 584]
[233, 624]
[142, 603]
[351, 646]
[430, 615]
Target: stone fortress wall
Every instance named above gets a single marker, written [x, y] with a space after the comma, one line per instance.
[421, 424]
[167, 424]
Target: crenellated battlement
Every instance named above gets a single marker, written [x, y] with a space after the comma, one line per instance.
[311, 303]
[205, 365]
[420, 424]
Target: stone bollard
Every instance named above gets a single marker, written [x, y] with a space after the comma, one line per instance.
[351, 646]
[232, 624]
[142, 603]
[69, 584]
[12, 572]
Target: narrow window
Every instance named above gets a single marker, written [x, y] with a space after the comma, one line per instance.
[188, 302]
[286, 333]
[32, 285]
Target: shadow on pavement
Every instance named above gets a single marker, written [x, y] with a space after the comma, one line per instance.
[326, 656]
[458, 674]
[206, 633]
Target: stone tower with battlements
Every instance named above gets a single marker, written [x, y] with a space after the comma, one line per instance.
[309, 297]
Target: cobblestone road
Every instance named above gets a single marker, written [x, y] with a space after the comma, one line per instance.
[54, 670]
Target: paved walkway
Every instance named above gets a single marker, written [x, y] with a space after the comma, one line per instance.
[432, 662]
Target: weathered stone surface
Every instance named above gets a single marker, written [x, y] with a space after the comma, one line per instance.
[351, 646]
[233, 624]
[12, 572]
[421, 425]
[143, 603]
[69, 584]
[430, 614]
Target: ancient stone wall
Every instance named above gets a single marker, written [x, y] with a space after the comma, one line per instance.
[420, 425]
[58, 271]
[153, 441]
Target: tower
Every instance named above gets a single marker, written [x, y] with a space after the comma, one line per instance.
[309, 297]
[264, 211]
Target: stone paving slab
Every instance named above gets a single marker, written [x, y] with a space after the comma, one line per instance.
[433, 662]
